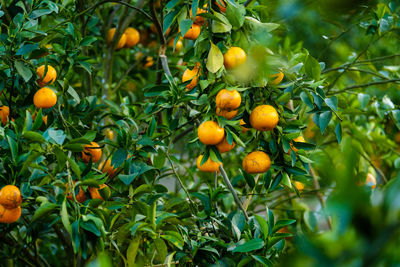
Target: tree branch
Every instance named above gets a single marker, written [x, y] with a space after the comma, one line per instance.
[364, 85]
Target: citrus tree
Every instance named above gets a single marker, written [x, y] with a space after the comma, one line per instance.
[199, 133]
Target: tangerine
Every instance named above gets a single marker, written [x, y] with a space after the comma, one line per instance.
[10, 197]
[276, 78]
[4, 114]
[9, 215]
[226, 113]
[132, 37]
[224, 146]
[256, 162]
[193, 32]
[121, 41]
[264, 118]
[50, 76]
[228, 99]
[235, 56]
[210, 133]
[95, 194]
[44, 98]
[92, 151]
[209, 165]
[80, 197]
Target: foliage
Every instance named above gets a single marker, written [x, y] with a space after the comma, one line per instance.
[340, 91]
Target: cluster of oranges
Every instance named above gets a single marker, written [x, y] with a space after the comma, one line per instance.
[45, 97]
[10, 202]
[128, 39]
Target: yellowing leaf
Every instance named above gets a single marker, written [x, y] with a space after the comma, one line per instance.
[215, 59]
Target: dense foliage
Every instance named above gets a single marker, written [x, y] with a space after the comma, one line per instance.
[124, 130]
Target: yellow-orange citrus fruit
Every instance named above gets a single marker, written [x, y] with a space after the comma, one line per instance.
[80, 197]
[10, 197]
[9, 215]
[132, 37]
[228, 99]
[210, 133]
[209, 165]
[199, 19]
[193, 32]
[226, 113]
[110, 36]
[106, 167]
[192, 76]
[44, 98]
[224, 146]
[264, 118]
[110, 134]
[4, 114]
[91, 151]
[244, 129]
[299, 185]
[221, 5]
[178, 45]
[149, 62]
[235, 56]
[276, 78]
[299, 139]
[50, 76]
[94, 192]
[256, 162]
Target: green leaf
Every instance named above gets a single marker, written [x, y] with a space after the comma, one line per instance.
[161, 249]
[215, 59]
[324, 119]
[264, 261]
[38, 121]
[220, 27]
[236, 15]
[282, 223]
[338, 131]
[43, 210]
[13, 147]
[312, 68]
[174, 239]
[23, 70]
[185, 25]
[332, 102]
[74, 166]
[34, 136]
[263, 225]
[64, 217]
[251, 245]
[363, 99]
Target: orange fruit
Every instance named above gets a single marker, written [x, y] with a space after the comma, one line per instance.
[178, 45]
[110, 134]
[94, 192]
[244, 129]
[110, 36]
[45, 120]
[209, 165]
[10, 197]
[221, 5]
[199, 19]
[235, 56]
[276, 78]
[44, 98]
[91, 151]
[210, 133]
[228, 99]
[299, 185]
[132, 37]
[256, 162]
[264, 118]
[50, 76]
[149, 62]
[192, 76]
[225, 113]
[80, 197]
[4, 114]
[299, 139]
[106, 167]
[193, 32]
[224, 146]
[9, 215]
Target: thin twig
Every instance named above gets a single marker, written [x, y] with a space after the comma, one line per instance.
[364, 85]
[250, 196]
[233, 192]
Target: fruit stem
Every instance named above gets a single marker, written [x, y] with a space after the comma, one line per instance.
[230, 187]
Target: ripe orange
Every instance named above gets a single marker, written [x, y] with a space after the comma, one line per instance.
[198, 20]
[132, 37]
[228, 99]
[4, 114]
[10, 197]
[50, 76]
[9, 215]
[235, 56]
[91, 151]
[44, 98]
[299, 185]
[149, 62]
[244, 129]
[192, 75]
[225, 113]
[221, 5]
[224, 146]
[178, 45]
[210, 133]
[264, 118]
[110, 134]
[110, 36]
[80, 197]
[106, 167]
[193, 32]
[299, 139]
[94, 192]
[256, 162]
[276, 78]
[209, 165]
